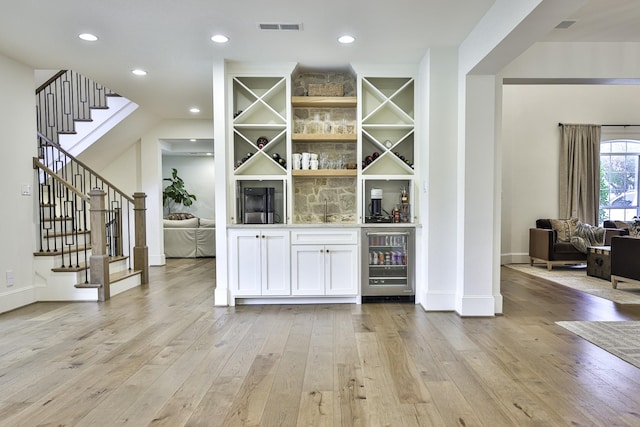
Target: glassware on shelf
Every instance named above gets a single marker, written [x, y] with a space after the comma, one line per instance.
[315, 126]
[298, 126]
[351, 127]
[327, 128]
[340, 127]
[323, 162]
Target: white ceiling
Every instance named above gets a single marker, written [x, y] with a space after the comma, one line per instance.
[171, 38]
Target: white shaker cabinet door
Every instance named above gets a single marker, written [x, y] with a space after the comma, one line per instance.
[341, 269]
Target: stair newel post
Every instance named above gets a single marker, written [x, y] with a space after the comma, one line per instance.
[140, 250]
[99, 261]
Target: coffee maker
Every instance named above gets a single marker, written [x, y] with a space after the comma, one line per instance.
[258, 205]
[376, 202]
[376, 212]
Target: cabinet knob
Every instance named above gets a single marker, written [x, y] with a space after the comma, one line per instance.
[257, 237]
[327, 250]
[263, 236]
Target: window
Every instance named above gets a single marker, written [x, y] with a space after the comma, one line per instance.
[619, 160]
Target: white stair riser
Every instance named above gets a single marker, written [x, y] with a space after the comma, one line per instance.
[60, 286]
[125, 284]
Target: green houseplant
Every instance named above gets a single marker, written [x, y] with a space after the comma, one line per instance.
[176, 192]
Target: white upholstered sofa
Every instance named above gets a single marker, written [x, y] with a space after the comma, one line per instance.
[189, 238]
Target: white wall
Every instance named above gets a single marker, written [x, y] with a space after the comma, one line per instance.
[531, 137]
[17, 121]
[123, 172]
[198, 173]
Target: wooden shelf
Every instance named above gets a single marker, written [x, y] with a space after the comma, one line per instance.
[325, 172]
[328, 137]
[324, 101]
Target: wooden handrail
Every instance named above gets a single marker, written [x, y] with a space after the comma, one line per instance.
[58, 147]
[37, 164]
[51, 80]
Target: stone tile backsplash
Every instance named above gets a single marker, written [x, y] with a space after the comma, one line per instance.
[313, 197]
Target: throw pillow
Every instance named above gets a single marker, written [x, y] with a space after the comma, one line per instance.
[180, 216]
[565, 228]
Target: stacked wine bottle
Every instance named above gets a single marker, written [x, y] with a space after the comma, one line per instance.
[369, 159]
[407, 161]
[281, 161]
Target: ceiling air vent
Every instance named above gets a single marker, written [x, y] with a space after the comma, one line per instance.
[279, 27]
[565, 24]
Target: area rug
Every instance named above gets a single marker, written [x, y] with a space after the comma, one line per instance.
[621, 339]
[576, 278]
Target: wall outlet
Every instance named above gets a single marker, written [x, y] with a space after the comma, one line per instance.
[26, 189]
[10, 278]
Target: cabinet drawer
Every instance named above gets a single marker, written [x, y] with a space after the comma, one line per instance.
[326, 236]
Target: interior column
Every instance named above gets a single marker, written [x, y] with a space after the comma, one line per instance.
[476, 197]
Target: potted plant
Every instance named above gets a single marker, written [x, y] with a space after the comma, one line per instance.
[176, 192]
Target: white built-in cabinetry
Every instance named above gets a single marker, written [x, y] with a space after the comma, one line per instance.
[295, 258]
[260, 262]
[260, 113]
[387, 144]
[324, 262]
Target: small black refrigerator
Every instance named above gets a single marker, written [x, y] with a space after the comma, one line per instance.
[388, 265]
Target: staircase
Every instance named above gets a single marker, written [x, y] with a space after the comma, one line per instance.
[91, 236]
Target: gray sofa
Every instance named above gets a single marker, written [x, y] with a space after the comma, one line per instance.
[189, 238]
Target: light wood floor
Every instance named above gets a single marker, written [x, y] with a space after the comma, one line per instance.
[165, 356]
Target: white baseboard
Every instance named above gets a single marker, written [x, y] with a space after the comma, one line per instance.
[297, 300]
[477, 306]
[438, 301]
[156, 260]
[517, 258]
[12, 299]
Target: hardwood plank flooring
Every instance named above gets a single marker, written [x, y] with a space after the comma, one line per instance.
[166, 356]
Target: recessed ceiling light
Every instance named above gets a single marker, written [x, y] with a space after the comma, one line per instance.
[194, 110]
[346, 39]
[209, 154]
[88, 37]
[193, 140]
[139, 72]
[220, 38]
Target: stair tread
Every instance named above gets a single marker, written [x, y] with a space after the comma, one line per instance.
[121, 275]
[88, 285]
[74, 269]
[83, 266]
[68, 233]
[58, 252]
[113, 278]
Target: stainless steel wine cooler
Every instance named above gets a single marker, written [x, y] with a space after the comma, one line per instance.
[388, 264]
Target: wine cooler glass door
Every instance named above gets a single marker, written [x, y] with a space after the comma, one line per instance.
[388, 262]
